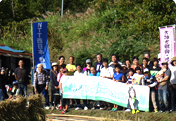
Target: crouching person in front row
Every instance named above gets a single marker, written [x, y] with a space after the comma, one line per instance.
[41, 84]
[15, 91]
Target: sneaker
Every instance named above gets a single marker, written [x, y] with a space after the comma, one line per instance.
[137, 111]
[47, 107]
[63, 112]
[156, 111]
[60, 108]
[160, 111]
[93, 108]
[112, 109]
[101, 108]
[85, 108]
[133, 111]
[77, 108]
[128, 110]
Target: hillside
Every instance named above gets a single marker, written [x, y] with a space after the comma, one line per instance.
[126, 27]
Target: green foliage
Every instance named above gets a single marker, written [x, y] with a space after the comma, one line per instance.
[126, 27]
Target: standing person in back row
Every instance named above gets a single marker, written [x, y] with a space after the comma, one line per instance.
[71, 67]
[22, 78]
[99, 63]
[115, 61]
[163, 91]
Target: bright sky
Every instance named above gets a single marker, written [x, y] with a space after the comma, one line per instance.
[174, 1]
[0, 0]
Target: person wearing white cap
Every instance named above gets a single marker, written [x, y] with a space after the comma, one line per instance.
[87, 68]
[163, 92]
[54, 83]
[150, 82]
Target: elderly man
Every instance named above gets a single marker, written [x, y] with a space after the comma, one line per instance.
[163, 91]
[41, 83]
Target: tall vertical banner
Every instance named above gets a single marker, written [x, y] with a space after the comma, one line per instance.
[167, 45]
[40, 45]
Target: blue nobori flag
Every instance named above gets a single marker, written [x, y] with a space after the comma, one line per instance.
[40, 45]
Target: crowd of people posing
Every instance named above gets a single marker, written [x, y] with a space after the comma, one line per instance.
[161, 80]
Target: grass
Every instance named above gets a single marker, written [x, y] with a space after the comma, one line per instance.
[122, 115]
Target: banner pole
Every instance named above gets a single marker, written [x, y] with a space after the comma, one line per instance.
[32, 45]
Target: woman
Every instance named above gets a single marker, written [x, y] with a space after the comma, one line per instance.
[135, 63]
[54, 83]
[87, 68]
[61, 61]
[155, 68]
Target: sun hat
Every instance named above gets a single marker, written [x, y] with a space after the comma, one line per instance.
[54, 64]
[40, 65]
[164, 62]
[173, 59]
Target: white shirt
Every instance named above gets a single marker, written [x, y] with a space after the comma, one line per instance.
[63, 79]
[138, 78]
[107, 72]
[79, 74]
[112, 63]
[173, 75]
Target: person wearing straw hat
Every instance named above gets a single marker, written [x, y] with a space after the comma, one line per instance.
[54, 83]
[163, 92]
[172, 87]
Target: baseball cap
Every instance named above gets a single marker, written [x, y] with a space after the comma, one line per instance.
[146, 70]
[88, 61]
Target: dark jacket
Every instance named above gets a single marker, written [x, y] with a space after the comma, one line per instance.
[53, 78]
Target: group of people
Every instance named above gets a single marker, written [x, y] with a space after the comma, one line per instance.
[160, 80]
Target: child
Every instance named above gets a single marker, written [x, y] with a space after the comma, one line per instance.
[65, 102]
[79, 72]
[130, 76]
[117, 77]
[71, 67]
[137, 77]
[59, 75]
[149, 81]
[15, 90]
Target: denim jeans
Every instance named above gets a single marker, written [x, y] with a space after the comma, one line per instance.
[2, 96]
[22, 88]
[163, 96]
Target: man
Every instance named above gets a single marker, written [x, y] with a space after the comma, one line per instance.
[22, 78]
[115, 61]
[163, 92]
[71, 67]
[147, 55]
[41, 84]
[93, 72]
[98, 64]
